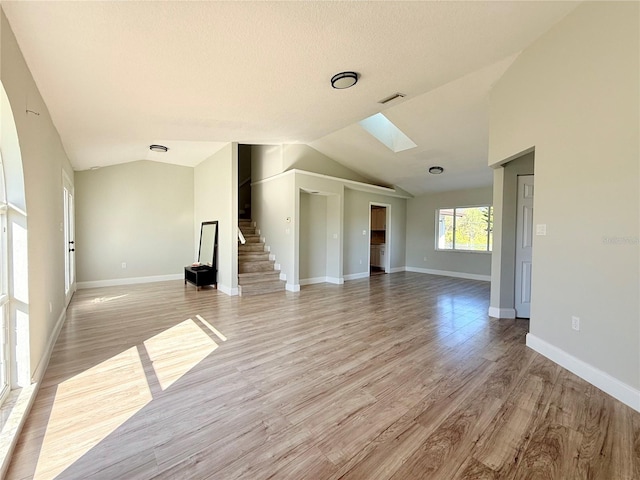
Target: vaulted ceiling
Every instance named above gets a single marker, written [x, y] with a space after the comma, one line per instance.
[119, 76]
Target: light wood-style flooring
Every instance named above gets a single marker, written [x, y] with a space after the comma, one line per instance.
[399, 376]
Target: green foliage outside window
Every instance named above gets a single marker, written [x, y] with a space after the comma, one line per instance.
[465, 228]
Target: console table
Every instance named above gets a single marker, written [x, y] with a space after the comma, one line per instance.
[200, 276]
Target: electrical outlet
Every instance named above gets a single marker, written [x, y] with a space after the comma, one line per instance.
[360, 262]
[124, 264]
[575, 323]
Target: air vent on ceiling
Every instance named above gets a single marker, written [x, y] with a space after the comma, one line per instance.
[392, 97]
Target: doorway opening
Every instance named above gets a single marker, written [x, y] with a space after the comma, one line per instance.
[69, 238]
[379, 238]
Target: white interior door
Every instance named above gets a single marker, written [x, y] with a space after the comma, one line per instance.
[524, 246]
[69, 239]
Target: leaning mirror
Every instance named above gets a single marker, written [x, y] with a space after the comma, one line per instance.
[208, 242]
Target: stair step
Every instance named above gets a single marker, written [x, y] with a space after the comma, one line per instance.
[252, 238]
[247, 230]
[243, 222]
[251, 247]
[258, 266]
[261, 288]
[252, 256]
[257, 277]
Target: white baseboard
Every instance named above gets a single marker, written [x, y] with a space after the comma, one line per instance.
[293, 287]
[283, 276]
[272, 257]
[277, 266]
[129, 281]
[38, 373]
[232, 292]
[356, 276]
[312, 281]
[496, 312]
[605, 382]
[398, 269]
[445, 273]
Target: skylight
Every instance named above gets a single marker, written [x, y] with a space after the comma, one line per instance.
[386, 132]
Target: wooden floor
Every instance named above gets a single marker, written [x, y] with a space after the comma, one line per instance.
[400, 376]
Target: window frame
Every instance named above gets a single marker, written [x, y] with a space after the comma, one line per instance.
[454, 249]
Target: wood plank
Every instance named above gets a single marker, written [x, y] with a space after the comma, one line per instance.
[395, 376]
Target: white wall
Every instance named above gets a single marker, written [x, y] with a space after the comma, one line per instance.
[216, 198]
[140, 213]
[574, 96]
[43, 161]
[421, 234]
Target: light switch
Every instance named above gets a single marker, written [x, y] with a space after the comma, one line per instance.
[541, 229]
[287, 231]
[335, 235]
[364, 232]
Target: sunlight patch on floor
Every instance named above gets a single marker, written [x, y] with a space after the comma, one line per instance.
[212, 328]
[177, 350]
[97, 397]
[108, 299]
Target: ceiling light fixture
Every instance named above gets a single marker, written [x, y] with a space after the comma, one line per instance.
[436, 170]
[158, 148]
[344, 80]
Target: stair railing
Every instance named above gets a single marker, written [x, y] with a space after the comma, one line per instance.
[241, 236]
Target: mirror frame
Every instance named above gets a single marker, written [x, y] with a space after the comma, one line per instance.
[214, 263]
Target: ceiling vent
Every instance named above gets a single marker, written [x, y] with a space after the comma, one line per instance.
[392, 97]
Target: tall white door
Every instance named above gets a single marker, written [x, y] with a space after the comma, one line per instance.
[69, 239]
[524, 244]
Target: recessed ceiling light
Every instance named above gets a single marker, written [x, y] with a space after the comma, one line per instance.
[436, 170]
[158, 148]
[344, 80]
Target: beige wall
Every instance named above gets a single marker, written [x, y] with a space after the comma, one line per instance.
[216, 194]
[266, 161]
[43, 161]
[272, 208]
[574, 96]
[421, 234]
[140, 213]
[356, 220]
[347, 213]
[304, 157]
[313, 236]
[270, 160]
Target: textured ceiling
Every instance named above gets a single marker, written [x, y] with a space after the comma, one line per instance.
[118, 76]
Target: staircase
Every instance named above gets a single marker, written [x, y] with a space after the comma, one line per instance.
[256, 273]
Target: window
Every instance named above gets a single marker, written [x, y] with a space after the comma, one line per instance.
[4, 297]
[465, 228]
